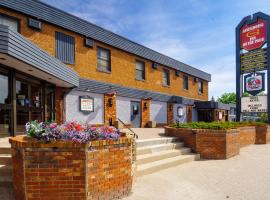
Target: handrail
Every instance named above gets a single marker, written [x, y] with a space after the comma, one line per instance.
[134, 134]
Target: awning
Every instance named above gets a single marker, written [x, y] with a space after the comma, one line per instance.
[21, 54]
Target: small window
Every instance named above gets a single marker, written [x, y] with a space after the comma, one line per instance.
[140, 70]
[185, 82]
[200, 85]
[166, 77]
[103, 59]
[65, 48]
[12, 23]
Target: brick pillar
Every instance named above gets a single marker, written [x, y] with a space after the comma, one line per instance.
[170, 113]
[216, 115]
[109, 109]
[189, 113]
[145, 111]
[59, 104]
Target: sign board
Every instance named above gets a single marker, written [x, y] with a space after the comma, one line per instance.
[86, 104]
[254, 83]
[254, 104]
[253, 36]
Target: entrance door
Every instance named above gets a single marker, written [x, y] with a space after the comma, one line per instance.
[135, 113]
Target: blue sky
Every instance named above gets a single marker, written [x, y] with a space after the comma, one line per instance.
[197, 32]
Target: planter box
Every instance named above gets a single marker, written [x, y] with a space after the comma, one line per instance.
[65, 170]
[262, 135]
[247, 135]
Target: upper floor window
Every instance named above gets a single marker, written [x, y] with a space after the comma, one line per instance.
[65, 48]
[166, 77]
[185, 82]
[12, 23]
[200, 86]
[140, 70]
[103, 59]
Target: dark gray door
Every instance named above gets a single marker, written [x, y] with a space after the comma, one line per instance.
[135, 114]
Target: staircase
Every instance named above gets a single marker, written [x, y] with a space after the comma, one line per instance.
[160, 153]
[5, 167]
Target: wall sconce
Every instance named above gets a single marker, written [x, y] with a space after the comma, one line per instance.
[110, 102]
[145, 105]
[180, 111]
[171, 107]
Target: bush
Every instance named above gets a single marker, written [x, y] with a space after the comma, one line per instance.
[216, 125]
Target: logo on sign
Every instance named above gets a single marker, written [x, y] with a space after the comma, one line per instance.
[253, 36]
[254, 84]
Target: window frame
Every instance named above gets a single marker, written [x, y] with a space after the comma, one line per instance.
[74, 49]
[200, 89]
[143, 71]
[109, 68]
[185, 82]
[168, 81]
[13, 18]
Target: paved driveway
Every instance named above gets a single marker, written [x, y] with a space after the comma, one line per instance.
[244, 177]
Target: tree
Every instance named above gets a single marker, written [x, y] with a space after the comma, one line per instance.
[227, 98]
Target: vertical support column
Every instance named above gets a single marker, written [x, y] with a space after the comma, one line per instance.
[12, 90]
[189, 113]
[59, 104]
[170, 113]
[145, 112]
[109, 109]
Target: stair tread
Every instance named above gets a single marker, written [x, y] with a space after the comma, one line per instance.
[155, 139]
[160, 145]
[144, 156]
[5, 156]
[164, 161]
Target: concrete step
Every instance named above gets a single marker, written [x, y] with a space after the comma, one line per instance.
[164, 164]
[5, 150]
[155, 141]
[5, 159]
[158, 148]
[6, 181]
[147, 158]
[5, 170]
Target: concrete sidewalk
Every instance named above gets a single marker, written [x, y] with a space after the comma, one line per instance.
[244, 177]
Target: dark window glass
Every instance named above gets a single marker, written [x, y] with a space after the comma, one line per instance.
[65, 48]
[13, 24]
[4, 91]
[5, 109]
[140, 70]
[185, 82]
[200, 86]
[103, 59]
[166, 77]
[4, 122]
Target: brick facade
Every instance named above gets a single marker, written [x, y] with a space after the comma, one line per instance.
[247, 136]
[170, 111]
[109, 109]
[59, 104]
[122, 63]
[67, 171]
[145, 112]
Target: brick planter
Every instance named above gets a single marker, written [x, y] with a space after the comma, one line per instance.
[262, 135]
[65, 170]
[247, 135]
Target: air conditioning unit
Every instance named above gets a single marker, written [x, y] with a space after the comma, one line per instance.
[34, 23]
[88, 42]
[154, 65]
[177, 73]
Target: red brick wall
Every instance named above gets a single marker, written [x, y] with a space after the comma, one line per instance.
[170, 113]
[262, 135]
[70, 171]
[109, 110]
[59, 104]
[247, 136]
[145, 111]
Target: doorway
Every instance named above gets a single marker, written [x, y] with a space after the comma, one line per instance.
[135, 114]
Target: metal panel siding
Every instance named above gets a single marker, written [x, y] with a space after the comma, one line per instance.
[24, 50]
[73, 23]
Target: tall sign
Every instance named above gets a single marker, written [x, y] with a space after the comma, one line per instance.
[252, 60]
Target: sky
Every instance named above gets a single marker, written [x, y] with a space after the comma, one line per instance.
[200, 33]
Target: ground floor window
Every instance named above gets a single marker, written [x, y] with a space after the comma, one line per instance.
[23, 98]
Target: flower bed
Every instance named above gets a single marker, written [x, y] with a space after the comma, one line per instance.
[71, 161]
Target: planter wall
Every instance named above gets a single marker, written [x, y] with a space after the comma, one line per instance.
[262, 135]
[65, 170]
[247, 135]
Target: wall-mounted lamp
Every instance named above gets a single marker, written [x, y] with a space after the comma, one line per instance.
[110, 102]
[171, 107]
[180, 111]
[145, 105]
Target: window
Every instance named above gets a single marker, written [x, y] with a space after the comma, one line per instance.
[103, 59]
[140, 70]
[185, 82]
[65, 48]
[166, 77]
[200, 85]
[12, 23]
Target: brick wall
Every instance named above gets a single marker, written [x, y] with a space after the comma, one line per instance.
[145, 112]
[262, 135]
[59, 104]
[70, 171]
[109, 109]
[170, 111]
[123, 63]
[247, 136]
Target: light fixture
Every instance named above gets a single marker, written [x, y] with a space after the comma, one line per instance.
[180, 111]
[145, 105]
[110, 102]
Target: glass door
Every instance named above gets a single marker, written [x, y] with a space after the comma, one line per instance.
[50, 103]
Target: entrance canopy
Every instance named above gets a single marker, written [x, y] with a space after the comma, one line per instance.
[19, 53]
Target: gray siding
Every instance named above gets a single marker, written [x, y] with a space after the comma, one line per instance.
[15, 45]
[55, 16]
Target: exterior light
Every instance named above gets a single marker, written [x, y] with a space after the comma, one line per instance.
[110, 102]
[145, 105]
[180, 111]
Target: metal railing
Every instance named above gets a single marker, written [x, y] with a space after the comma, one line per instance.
[133, 133]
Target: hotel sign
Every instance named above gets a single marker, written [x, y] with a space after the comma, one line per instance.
[254, 83]
[86, 104]
[254, 104]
